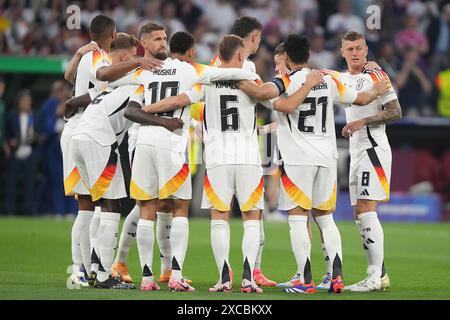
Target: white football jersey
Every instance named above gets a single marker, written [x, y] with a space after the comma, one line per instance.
[372, 135]
[229, 125]
[86, 77]
[103, 120]
[307, 135]
[173, 78]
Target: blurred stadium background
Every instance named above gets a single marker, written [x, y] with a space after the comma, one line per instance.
[412, 46]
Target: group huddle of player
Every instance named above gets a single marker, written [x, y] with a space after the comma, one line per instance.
[115, 92]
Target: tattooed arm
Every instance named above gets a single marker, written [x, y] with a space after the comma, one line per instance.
[391, 112]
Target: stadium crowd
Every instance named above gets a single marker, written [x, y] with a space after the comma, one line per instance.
[413, 47]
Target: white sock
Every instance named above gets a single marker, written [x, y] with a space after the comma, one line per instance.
[93, 231]
[80, 225]
[220, 243]
[301, 245]
[145, 239]
[332, 243]
[179, 236]
[373, 240]
[250, 246]
[109, 222]
[128, 234]
[163, 226]
[261, 245]
[326, 259]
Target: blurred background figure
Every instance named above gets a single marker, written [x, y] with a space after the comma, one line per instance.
[21, 140]
[321, 58]
[4, 149]
[344, 20]
[50, 124]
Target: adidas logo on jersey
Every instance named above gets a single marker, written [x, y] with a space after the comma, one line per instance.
[365, 193]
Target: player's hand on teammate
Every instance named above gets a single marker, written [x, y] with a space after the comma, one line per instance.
[382, 86]
[151, 64]
[352, 127]
[314, 78]
[88, 48]
[173, 124]
[372, 65]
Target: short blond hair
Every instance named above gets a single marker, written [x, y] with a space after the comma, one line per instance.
[353, 36]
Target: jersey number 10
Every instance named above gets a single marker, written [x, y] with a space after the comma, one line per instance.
[173, 86]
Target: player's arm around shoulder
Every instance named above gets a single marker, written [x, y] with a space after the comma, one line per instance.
[381, 85]
[290, 103]
[72, 105]
[136, 114]
[257, 90]
[168, 104]
[69, 74]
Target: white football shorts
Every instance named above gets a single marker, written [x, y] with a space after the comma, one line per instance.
[99, 167]
[307, 187]
[370, 175]
[159, 173]
[244, 181]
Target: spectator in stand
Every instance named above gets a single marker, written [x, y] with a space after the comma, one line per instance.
[206, 44]
[413, 85]
[127, 14]
[320, 57]
[270, 38]
[190, 14]
[263, 10]
[220, 15]
[387, 60]
[411, 38]
[438, 34]
[311, 23]
[443, 92]
[344, 20]
[89, 12]
[4, 150]
[169, 19]
[20, 134]
[289, 19]
[50, 124]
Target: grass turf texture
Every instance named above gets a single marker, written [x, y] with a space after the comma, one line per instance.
[36, 252]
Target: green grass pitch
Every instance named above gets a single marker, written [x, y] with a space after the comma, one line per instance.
[35, 253]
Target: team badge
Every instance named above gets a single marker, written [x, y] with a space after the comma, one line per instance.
[359, 84]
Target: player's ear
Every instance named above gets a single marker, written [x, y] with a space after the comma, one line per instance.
[191, 54]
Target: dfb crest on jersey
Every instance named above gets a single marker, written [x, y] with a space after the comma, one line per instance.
[359, 84]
